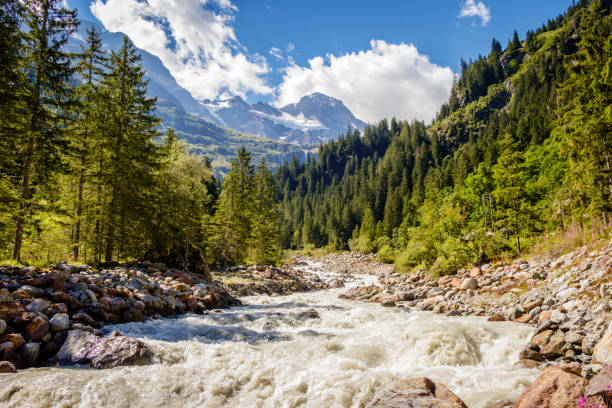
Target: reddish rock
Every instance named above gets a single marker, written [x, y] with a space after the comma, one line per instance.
[526, 318]
[184, 277]
[456, 283]
[23, 319]
[38, 282]
[601, 384]
[57, 284]
[192, 304]
[13, 358]
[496, 318]
[541, 339]
[37, 329]
[8, 311]
[60, 297]
[15, 338]
[83, 316]
[7, 367]
[475, 272]
[544, 316]
[554, 348]
[416, 392]
[555, 388]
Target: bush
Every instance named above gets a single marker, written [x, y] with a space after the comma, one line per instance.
[386, 254]
[405, 262]
[362, 245]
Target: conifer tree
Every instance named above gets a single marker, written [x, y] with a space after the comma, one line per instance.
[132, 154]
[266, 217]
[48, 100]
[87, 130]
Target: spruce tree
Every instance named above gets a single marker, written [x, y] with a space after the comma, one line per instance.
[266, 220]
[48, 100]
[132, 154]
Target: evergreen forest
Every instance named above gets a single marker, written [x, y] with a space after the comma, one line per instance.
[519, 158]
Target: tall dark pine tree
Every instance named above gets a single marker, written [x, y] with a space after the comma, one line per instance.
[48, 99]
[129, 141]
[11, 103]
[91, 70]
[266, 217]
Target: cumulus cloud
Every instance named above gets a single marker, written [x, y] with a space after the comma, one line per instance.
[470, 9]
[386, 80]
[194, 39]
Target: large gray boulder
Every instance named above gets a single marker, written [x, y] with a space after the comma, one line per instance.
[84, 348]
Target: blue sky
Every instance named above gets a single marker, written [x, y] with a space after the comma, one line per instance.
[384, 58]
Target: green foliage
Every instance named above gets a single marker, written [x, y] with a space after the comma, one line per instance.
[498, 168]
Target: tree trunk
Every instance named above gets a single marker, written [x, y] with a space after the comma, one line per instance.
[23, 199]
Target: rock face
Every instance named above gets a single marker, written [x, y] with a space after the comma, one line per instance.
[555, 388]
[603, 349]
[84, 348]
[416, 393]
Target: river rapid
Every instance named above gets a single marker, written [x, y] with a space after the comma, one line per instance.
[304, 350]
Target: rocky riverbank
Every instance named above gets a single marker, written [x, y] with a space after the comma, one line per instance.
[567, 300]
[39, 309]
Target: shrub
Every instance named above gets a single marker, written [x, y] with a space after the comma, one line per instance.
[386, 254]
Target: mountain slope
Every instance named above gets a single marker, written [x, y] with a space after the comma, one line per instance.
[503, 164]
[192, 121]
[314, 119]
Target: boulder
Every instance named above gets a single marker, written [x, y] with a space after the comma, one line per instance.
[37, 329]
[555, 388]
[7, 367]
[15, 338]
[38, 305]
[554, 348]
[84, 348]
[469, 283]
[29, 353]
[8, 311]
[59, 322]
[416, 393]
[603, 349]
[601, 384]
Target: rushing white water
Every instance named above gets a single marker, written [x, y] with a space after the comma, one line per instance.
[277, 353]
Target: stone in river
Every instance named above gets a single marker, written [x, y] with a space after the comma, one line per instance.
[7, 367]
[85, 348]
[416, 392]
[59, 322]
[37, 329]
[555, 388]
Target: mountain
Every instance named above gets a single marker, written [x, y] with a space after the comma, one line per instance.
[517, 159]
[314, 119]
[191, 119]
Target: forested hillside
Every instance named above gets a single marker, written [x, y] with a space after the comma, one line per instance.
[86, 173]
[519, 155]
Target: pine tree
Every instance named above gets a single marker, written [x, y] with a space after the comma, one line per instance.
[132, 154]
[510, 195]
[48, 99]
[11, 101]
[266, 217]
[235, 211]
[586, 116]
[86, 132]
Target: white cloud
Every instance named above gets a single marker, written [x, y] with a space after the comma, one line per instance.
[194, 39]
[276, 53]
[386, 80]
[470, 9]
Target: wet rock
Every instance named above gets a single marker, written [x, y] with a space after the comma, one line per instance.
[2, 326]
[59, 322]
[387, 303]
[308, 314]
[15, 338]
[38, 305]
[7, 367]
[37, 329]
[555, 388]
[83, 316]
[84, 348]
[497, 317]
[29, 353]
[416, 393]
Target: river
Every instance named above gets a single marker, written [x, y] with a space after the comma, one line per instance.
[304, 350]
